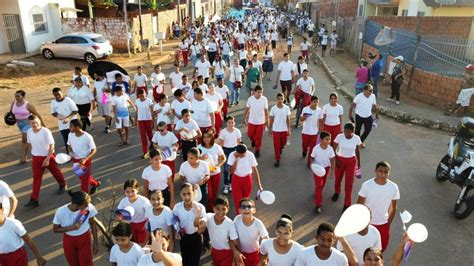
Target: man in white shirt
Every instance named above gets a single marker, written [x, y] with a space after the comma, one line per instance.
[285, 76]
[103, 95]
[83, 148]
[202, 111]
[176, 77]
[279, 127]
[64, 109]
[257, 111]
[324, 42]
[42, 151]
[202, 68]
[305, 88]
[381, 195]
[364, 104]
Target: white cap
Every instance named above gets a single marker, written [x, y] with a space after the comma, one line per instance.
[400, 57]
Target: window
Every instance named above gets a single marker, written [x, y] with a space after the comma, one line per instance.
[78, 40]
[420, 14]
[64, 40]
[39, 23]
[361, 10]
[99, 39]
[404, 12]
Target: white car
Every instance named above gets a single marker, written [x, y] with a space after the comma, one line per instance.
[87, 46]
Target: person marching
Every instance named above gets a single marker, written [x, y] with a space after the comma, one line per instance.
[285, 76]
[64, 109]
[311, 116]
[215, 99]
[120, 103]
[235, 81]
[8, 199]
[125, 252]
[188, 212]
[42, 151]
[160, 217]
[14, 236]
[289, 42]
[189, 132]
[144, 118]
[158, 176]
[305, 88]
[229, 138]
[347, 145]
[76, 221]
[140, 80]
[83, 148]
[103, 95]
[84, 100]
[223, 90]
[183, 48]
[381, 195]
[196, 172]
[279, 126]
[268, 61]
[202, 111]
[364, 104]
[322, 155]
[304, 47]
[176, 77]
[158, 80]
[257, 112]
[243, 167]
[332, 117]
[213, 154]
[163, 139]
[139, 203]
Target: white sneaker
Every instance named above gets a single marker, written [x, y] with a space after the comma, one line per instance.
[230, 188]
[397, 102]
[389, 100]
[225, 191]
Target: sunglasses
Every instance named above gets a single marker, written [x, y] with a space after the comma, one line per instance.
[246, 206]
[161, 130]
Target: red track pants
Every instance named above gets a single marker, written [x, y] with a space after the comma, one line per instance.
[87, 179]
[334, 130]
[185, 57]
[138, 232]
[170, 164]
[384, 230]
[319, 182]
[251, 259]
[217, 123]
[145, 127]
[255, 133]
[346, 169]
[78, 249]
[225, 108]
[307, 144]
[38, 170]
[279, 142]
[222, 257]
[241, 188]
[213, 190]
[15, 258]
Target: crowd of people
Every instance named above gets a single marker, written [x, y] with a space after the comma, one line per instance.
[198, 126]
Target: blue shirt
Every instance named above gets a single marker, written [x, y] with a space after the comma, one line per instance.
[376, 67]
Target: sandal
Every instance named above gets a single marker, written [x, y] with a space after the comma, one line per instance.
[121, 144]
[22, 161]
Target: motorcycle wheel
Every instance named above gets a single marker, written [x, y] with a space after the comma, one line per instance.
[441, 175]
[465, 207]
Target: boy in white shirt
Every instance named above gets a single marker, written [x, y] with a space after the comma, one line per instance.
[64, 109]
[312, 118]
[176, 77]
[125, 252]
[202, 111]
[257, 111]
[381, 195]
[368, 237]
[120, 103]
[323, 155]
[140, 81]
[279, 126]
[202, 68]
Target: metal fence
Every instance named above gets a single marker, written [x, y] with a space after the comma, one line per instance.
[348, 30]
[444, 55]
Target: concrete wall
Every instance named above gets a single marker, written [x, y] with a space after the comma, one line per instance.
[8, 7]
[346, 8]
[453, 11]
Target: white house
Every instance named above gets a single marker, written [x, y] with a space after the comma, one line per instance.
[25, 24]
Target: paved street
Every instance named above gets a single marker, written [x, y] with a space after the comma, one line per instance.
[413, 152]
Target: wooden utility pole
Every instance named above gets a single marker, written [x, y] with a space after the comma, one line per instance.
[128, 34]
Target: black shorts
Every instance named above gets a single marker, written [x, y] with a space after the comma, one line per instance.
[285, 85]
[323, 47]
[274, 44]
[241, 46]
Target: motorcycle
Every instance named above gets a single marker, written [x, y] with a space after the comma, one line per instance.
[458, 167]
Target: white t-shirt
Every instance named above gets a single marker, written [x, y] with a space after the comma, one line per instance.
[303, 66]
[332, 114]
[80, 96]
[157, 78]
[240, 38]
[164, 141]
[308, 257]
[286, 69]
[140, 205]
[242, 55]
[202, 112]
[126, 259]
[360, 243]
[121, 105]
[186, 218]
[257, 109]
[324, 40]
[214, 152]
[244, 167]
[323, 156]
[194, 175]
[147, 259]
[249, 236]
[162, 116]
[219, 67]
[162, 221]
[100, 87]
[157, 179]
[226, 47]
[346, 147]
[279, 118]
[203, 68]
[379, 198]
[81, 146]
[192, 126]
[304, 46]
[178, 106]
[12, 232]
[277, 259]
[184, 87]
[140, 80]
[85, 79]
[143, 109]
[5, 194]
[333, 38]
[64, 217]
[274, 36]
[306, 85]
[220, 234]
[214, 100]
[230, 139]
[63, 109]
[223, 91]
[236, 73]
[184, 46]
[364, 105]
[40, 141]
[310, 125]
[176, 78]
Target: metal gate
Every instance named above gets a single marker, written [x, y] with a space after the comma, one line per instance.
[14, 33]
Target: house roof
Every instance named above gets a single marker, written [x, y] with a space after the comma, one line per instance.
[457, 3]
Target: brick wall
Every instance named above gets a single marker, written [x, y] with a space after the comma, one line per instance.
[432, 88]
[347, 8]
[451, 26]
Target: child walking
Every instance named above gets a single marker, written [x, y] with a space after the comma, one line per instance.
[160, 217]
[158, 176]
[125, 252]
[120, 102]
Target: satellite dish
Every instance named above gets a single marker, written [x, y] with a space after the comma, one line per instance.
[384, 37]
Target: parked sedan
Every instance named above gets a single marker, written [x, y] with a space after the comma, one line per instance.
[87, 46]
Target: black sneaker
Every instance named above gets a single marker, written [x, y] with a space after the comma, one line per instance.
[94, 188]
[107, 130]
[304, 154]
[318, 210]
[32, 204]
[257, 154]
[253, 144]
[61, 190]
[277, 164]
[335, 197]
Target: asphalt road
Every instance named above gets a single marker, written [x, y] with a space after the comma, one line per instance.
[413, 152]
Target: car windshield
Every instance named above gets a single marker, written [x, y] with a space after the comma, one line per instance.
[99, 39]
